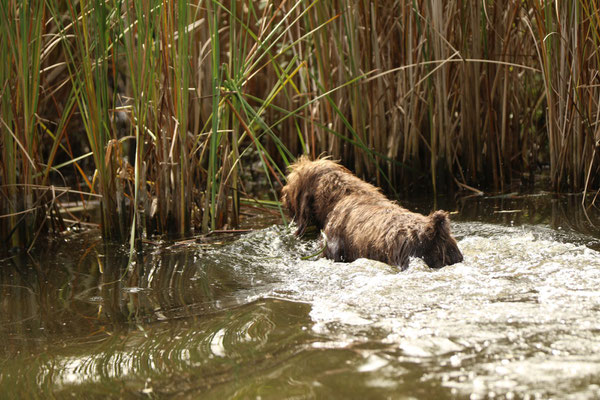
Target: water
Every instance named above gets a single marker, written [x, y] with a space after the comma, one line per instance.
[246, 317]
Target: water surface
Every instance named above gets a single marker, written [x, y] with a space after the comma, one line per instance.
[247, 317]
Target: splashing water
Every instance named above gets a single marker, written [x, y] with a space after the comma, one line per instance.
[520, 313]
[518, 318]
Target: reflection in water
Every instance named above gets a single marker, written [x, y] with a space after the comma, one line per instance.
[189, 355]
[247, 319]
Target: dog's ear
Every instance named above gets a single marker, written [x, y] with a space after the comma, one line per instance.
[286, 200]
[304, 213]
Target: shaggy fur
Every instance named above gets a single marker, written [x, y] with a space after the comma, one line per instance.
[314, 188]
[359, 221]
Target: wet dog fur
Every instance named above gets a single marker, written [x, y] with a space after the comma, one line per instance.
[360, 222]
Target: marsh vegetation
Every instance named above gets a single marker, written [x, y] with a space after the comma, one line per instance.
[163, 111]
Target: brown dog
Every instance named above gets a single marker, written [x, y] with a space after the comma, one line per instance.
[359, 221]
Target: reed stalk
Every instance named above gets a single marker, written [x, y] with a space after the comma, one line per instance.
[21, 42]
[176, 102]
[567, 38]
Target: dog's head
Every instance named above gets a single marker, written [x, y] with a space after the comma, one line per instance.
[439, 248]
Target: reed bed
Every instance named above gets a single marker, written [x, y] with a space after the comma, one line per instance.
[161, 108]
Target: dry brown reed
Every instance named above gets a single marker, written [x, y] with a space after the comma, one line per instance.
[478, 93]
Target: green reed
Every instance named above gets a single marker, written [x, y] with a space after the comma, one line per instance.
[21, 43]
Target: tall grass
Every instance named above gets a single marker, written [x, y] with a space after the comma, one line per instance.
[174, 101]
[570, 63]
[25, 202]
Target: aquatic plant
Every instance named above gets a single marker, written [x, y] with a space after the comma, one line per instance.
[163, 109]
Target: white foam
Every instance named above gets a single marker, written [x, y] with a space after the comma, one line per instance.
[510, 275]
